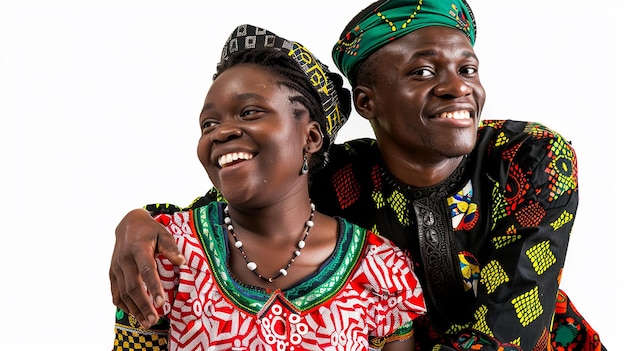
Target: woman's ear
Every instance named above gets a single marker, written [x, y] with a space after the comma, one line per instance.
[314, 138]
[363, 101]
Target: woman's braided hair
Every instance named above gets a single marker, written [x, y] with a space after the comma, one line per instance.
[281, 63]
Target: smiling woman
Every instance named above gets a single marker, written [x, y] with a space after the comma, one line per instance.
[264, 126]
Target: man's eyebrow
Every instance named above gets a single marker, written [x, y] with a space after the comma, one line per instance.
[432, 52]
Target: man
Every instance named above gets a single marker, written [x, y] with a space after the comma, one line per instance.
[484, 211]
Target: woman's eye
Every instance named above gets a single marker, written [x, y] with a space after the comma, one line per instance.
[207, 124]
[251, 112]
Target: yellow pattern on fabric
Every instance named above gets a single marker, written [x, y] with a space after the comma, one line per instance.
[541, 257]
[502, 241]
[538, 130]
[125, 340]
[455, 328]
[481, 321]
[378, 199]
[502, 139]
[516, 341]
[527, 306]
[398, 203]
[492, 276]
[562, 171]
[499, 205]
[392, 26]
[563, 219]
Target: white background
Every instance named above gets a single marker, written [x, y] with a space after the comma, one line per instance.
[99, 103]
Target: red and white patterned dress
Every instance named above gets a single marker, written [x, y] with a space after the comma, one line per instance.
[365, 290]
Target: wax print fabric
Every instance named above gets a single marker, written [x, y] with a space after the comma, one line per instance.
[510, 208]
[364, 292]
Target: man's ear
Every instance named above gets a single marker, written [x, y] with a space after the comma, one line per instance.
[363, 102]
[314, 138]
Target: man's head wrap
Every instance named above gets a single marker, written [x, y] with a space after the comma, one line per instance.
[387, 20]
[336, 101]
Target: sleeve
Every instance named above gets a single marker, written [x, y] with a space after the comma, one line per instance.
[397, 296]
[129, 335]
[532, 214]
[165, 208]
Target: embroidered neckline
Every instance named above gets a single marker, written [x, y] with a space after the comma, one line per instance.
[309, 293]
[438, 191]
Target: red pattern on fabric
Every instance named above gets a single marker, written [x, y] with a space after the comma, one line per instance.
[201, 315]
[347, 189]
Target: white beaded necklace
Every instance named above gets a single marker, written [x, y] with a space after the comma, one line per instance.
[252, 266]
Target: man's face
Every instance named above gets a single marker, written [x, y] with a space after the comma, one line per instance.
[426, 97]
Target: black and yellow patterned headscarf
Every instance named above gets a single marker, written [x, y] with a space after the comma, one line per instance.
[336, 100]
[387, 20]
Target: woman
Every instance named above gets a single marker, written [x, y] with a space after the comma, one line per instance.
[267, 272]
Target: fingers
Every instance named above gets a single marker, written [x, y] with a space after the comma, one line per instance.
[135, 297]
[133, 263]
[126, 292]
[166, 246]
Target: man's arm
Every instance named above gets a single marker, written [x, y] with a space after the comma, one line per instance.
[533, 205]
[138, 239]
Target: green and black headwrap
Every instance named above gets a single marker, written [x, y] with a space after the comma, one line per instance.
[387, 20]
[335, 98]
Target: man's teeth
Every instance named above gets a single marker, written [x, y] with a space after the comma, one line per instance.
[456, 115]
[232, 157]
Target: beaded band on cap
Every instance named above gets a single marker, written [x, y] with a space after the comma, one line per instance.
[247, 36]
[385, 21]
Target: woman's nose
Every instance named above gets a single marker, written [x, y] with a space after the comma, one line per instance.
[226, 131]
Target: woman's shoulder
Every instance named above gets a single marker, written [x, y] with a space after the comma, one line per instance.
[375, 248]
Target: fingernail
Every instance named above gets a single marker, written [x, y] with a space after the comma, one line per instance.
[152, 319]
[159, 301]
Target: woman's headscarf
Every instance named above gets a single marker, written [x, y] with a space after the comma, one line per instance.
[335, 99]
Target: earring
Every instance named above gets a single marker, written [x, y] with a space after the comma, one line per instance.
[305, 166]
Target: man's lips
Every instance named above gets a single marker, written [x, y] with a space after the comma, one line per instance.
[461, 114]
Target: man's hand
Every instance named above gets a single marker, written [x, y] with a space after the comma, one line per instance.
[138, 239]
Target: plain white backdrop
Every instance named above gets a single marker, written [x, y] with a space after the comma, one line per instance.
[99, 103]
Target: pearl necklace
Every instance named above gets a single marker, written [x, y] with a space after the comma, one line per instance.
[252, 266]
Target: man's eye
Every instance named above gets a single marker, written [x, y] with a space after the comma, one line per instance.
[468, 70]
[424, 72]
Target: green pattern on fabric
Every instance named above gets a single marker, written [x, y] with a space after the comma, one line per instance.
[393, 19]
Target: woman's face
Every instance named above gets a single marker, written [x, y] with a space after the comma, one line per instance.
[252, 145]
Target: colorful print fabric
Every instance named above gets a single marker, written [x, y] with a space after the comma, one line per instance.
[366, 291]
[510, 208]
